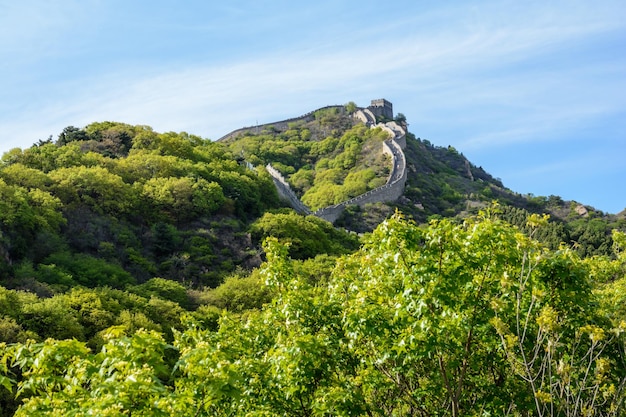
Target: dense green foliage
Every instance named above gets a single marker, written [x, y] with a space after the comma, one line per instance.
[471, 318]
[119, 227]
[129, 282]
[306, 236]
[326, 161]
[114, 204]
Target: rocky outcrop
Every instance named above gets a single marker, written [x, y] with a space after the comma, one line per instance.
[581, 210]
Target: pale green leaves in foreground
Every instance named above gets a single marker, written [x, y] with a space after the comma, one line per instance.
[449, 319]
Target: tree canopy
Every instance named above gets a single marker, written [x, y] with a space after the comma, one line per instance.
[456, 318]
[134, 280]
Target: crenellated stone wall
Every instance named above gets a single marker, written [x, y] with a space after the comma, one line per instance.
[391, 191]
[366, 116]
[285, 192]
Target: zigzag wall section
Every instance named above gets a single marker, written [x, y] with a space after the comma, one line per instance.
[391, 191]
[285, 192]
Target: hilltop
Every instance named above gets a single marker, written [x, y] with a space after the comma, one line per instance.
[332, 155]
[138, 204]
[143, 246]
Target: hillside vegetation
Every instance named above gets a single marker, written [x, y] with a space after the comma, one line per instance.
[449, 319]
[129, 201]
[152, 273]
[334, 158]
[327, 161]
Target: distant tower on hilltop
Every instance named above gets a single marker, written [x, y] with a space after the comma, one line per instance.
[382, 108]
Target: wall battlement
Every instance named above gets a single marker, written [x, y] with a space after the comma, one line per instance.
[285, 192]
[382, 108]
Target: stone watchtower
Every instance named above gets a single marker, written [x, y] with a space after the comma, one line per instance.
[382, 108]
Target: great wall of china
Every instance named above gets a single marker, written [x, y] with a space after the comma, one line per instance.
[281, 125]
[391, 191]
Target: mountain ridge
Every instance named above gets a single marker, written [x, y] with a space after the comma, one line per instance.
[441, 180]
[116, 227]
[389, 192]
[138, 204]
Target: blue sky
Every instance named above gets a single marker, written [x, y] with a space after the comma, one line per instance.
[534, 92]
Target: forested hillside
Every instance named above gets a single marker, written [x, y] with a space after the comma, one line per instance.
[131, 202]
[134, 279]
[334, 158]
[471, 318]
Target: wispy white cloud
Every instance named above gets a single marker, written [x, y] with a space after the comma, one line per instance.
[490, 77]
[452, 69]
